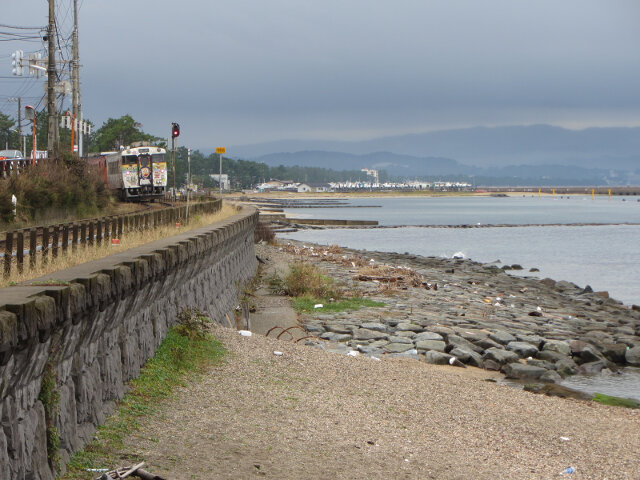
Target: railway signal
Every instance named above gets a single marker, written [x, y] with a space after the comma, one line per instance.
[17, 56]
[175, 130]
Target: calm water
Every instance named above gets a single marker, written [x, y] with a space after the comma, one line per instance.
[607, 257]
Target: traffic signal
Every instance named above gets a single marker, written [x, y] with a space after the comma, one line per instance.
[17, 56]
[175, 130]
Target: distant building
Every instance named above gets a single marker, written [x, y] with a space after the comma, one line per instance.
[226, 185]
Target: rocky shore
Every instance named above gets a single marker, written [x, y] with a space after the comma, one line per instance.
[461, 312]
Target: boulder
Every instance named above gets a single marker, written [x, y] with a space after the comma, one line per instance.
[632, 356]
[550, 356]
[522, 349]
[366, 334]
[588, 353]
[437, 345]
[557, 346]
[338, 328]
[437, 358]
[369, 350]
[566, 366]
[473, 335]
[490, 365]
[378, 327]
[336, 337]
[397, 347]
[410, 327]
[502, 337]
[486, 343]
[500, 356]
[467, 356]
[541, 363]
[441, 329]
[592, 368]
[550, 376]
[456, 341]
[427, 336]
[534, 340]
[398, 339]
[522, 372]
[614, 352]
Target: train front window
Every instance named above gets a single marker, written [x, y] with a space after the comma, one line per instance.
[158, 158]
[145, 161]
[129, 159]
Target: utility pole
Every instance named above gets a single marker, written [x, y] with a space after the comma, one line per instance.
[53, 138]
[75, 74]
[19, 101]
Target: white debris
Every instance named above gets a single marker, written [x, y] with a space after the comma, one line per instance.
[452, 360]
[318, 305]
[564, 439]
[353, 353]
[244, 333]
[277, 353]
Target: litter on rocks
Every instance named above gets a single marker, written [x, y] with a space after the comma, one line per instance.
[244, 333]
[568, 471]
[279, 354]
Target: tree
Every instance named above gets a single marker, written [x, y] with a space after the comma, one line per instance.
[123, 131]
[6, 137]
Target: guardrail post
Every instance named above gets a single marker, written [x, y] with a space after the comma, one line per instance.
[91, 231]
[83, 233]
[8, 253]
[65, 239]
[99, 232]
[74, 237]
[20, 251]
[54, 241]
[45, 245]
[33, 247]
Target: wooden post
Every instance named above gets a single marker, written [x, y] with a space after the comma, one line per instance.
[33, 247]
[65, 239]
[83, 233]
[8, 253]
[54, 241]
[20, 251]
[74, 237]
[99, 232]
[120, 226]
[91, 233]
[45, 245]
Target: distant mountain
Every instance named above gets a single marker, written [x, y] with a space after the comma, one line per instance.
[601, 148]
[409, 167]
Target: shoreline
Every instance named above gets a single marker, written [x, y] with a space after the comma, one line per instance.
[531, 330]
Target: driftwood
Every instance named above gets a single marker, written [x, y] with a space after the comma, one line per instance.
[124, 472]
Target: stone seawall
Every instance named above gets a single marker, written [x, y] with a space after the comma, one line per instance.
[96, 325]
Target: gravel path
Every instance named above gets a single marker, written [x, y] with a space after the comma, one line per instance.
[312, 414]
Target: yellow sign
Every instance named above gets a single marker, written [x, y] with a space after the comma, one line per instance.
[221, 150]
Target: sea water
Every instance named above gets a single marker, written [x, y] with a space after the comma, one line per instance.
[604, 252]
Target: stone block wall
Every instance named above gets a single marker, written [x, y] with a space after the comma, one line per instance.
[97, 324]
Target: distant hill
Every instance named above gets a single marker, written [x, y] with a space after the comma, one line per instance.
[600, 148]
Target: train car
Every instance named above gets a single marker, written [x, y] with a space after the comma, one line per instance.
[136, 174]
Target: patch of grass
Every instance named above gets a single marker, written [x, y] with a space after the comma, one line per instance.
[306, 304]
[305, 279]
[186, 352]
[615, 401]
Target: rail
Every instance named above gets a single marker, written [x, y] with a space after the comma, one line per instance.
[51, 241]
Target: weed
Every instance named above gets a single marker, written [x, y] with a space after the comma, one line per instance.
[50, 398]
[307, 304]
[615, 401]
[180, 357]
[264, 233]
[306, 279]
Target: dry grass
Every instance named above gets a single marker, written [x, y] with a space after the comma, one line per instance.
[86, 253]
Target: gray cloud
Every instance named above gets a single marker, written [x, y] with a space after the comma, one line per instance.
[249, 70]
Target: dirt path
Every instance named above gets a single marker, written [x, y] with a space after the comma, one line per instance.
[311, 414]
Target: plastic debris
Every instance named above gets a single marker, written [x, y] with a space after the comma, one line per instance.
[353, 353]
[564, 439]
[244, 333]
[278, 353]
[568, 471]
[318, 305]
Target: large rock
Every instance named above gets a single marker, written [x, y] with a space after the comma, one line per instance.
[366, 334]
[591, 368]
[397, 347]
[399, 339]
[411, 327]
[437, 358]
[502, 337]
[467, 356]
[534, 340]
[486, 343]
[456, 341]
[378, 327]
[523, 372]
[336, 337]
[557, 346]
[550, 356]
[566, 366]
[427, 336]
[437, 345]
[522, 349]
[632, 356]
[500, 356]
[614, 352]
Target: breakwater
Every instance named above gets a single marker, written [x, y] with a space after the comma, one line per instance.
[80, 337]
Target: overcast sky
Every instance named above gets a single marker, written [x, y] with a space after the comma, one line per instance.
[246, 71]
